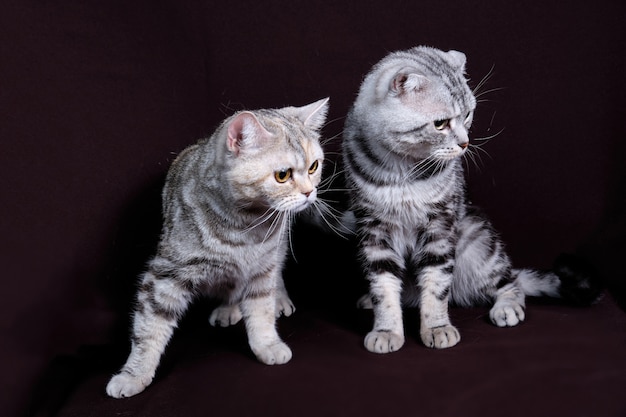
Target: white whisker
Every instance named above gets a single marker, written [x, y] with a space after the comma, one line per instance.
[260, 220]
[325, 141]
[422, 167]
[476, 91]
[473, 157]
[323, 208]
[487, 138]
[286, 230]
[328, 179]
[277, 223]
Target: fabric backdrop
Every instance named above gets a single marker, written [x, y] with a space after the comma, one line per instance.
[97, 98]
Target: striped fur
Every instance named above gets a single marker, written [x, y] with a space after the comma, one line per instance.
[422, 243]
[228, 202]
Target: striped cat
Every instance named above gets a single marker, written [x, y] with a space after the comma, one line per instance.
[422, 242]
[228, 203]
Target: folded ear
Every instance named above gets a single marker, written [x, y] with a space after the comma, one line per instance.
[404, 82]
[246, 134]
[312, 115]
[456, 59]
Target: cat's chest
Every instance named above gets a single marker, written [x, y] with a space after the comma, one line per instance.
[229, 251]
[410, 203]
[239, 265]
[250, 252]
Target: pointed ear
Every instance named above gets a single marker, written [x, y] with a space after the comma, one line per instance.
[404, 82]
[316, 114]
[312, 115]
[245, 133]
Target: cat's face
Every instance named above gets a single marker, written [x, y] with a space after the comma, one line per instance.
[286, 174]
[442, 135]
[420, 105]
[278, 163]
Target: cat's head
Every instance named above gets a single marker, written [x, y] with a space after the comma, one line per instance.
[419, 102]
[275, 156]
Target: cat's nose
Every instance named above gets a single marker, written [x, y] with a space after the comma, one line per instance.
[464, 145]
[307, 193]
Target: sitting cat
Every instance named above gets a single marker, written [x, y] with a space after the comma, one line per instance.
[228, 203]
[422, 242]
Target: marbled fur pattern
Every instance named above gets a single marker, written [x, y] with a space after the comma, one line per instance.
[227, 212]
[421, 242]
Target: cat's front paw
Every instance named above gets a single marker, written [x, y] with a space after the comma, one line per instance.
[440, 337]
[225, 315]
[507, 313]
[274, 354]
[284, 306]
[125, 385]
[383, 341]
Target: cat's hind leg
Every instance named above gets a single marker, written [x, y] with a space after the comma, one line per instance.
[230, 314]
[160, 304]
[483, 273]
[508, 309]
[225, 315]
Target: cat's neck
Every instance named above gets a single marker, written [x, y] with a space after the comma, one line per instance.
[400, 169]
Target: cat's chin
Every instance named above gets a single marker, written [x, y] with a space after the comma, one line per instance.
[445, 158]
[301, 207]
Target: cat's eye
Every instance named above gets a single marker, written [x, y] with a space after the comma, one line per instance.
[282, 175]
[314, 167]
[441, 124]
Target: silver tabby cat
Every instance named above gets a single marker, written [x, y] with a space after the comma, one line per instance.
[422, 243]
[227, 206]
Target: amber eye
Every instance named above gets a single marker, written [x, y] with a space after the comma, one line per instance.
[441, 124]
[314, 167]
[283, 175]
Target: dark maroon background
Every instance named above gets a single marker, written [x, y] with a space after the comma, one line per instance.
[96, 99]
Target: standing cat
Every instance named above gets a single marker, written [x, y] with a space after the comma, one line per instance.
[227, 206]
[421, 242]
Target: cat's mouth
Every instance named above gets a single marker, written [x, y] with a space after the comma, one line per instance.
[450, 154]
[304, 204]
[296, 204]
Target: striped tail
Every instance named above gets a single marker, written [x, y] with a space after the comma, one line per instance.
[571, 279]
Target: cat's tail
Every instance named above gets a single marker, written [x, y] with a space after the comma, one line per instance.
[571, 279]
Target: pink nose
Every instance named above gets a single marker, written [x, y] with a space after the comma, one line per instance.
[464, 145]
[306, 194]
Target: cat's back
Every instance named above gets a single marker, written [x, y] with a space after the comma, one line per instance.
[188, 197]
[189, 164]
[193, 176]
